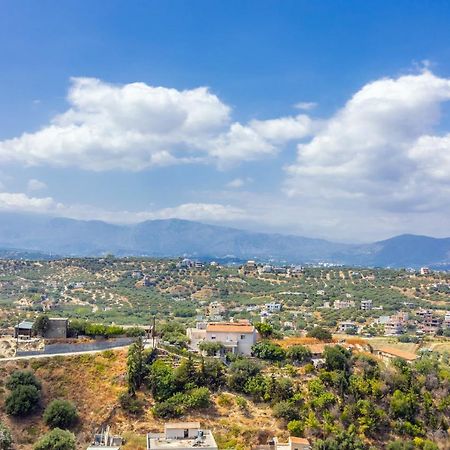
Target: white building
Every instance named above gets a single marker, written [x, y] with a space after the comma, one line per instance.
[342, 304]
[425, 271]
[273, 307]
[366, 305]
[347, 326]
[236, 337]
[181, 436]
[267, 268]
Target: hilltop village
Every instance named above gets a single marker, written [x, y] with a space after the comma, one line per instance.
[159, 354]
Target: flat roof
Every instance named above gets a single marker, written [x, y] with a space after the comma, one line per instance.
[182, 425]
[230, 327]
[25, 325]
[161, 442]
[399, 353]
[101, 447]
[299, 440]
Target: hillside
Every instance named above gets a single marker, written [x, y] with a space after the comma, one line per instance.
[26, 235]
[94, 382]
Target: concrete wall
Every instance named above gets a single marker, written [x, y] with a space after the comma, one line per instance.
[57, 329]
[179, 433]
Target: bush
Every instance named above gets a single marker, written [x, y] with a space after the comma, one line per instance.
[131, 404]
[22, 378]
[241, 371]
[296, 428]
[241, 403]
[23, 400]
[286, 410]
[299, 354]
[337, 358]
[5, 438]
[41, 324]
[320, 333]
[180, 403]
[134, 332]
[198, 398]
[268, 350]
[57, 439]
[60, 414]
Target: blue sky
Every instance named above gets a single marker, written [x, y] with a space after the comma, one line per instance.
[326, 119]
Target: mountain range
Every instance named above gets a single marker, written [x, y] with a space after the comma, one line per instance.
[29, 235]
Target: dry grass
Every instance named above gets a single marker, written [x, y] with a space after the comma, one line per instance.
[94, 382]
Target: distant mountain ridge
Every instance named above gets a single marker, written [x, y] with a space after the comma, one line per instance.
[38, 234]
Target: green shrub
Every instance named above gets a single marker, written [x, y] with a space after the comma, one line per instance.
[23, 400]
[225, 400]
[320, 333]
[22, 378]
[5, 438]
[299, 354]
[130, 404]
[241, 403]
[60, 414]
[286, 410]
[57, 439]
[269, 351]
[296, 427]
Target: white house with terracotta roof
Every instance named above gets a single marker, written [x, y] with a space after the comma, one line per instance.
[236, 337]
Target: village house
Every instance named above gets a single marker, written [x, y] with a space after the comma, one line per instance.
[236, 337]
[366, 305]
[347, 326]
[267, 268]
[425, 271]
[23, 330]
[273, 307]
[395, 324]
[430, 324]
[57, 329]
[446, 322]
[390, 353]
[343, 304]
[249, 267]
[181, 436]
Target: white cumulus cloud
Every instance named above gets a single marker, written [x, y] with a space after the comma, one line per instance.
[380, 150]
[136, 126]
[17, 201]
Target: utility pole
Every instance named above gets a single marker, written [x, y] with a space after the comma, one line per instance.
[153, 331]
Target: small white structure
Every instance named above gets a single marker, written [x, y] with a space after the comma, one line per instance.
[343, 304]
[104, 440]
[345, 327]
[294, 443]
[425, 271]
[273, 307]
[366, 305]
[181, 436]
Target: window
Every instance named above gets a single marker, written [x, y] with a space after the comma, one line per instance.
[213, 338]
[242, 336]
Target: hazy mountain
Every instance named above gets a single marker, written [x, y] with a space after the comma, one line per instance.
[34, 234]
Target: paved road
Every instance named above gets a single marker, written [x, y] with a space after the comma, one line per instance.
[78, 350]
